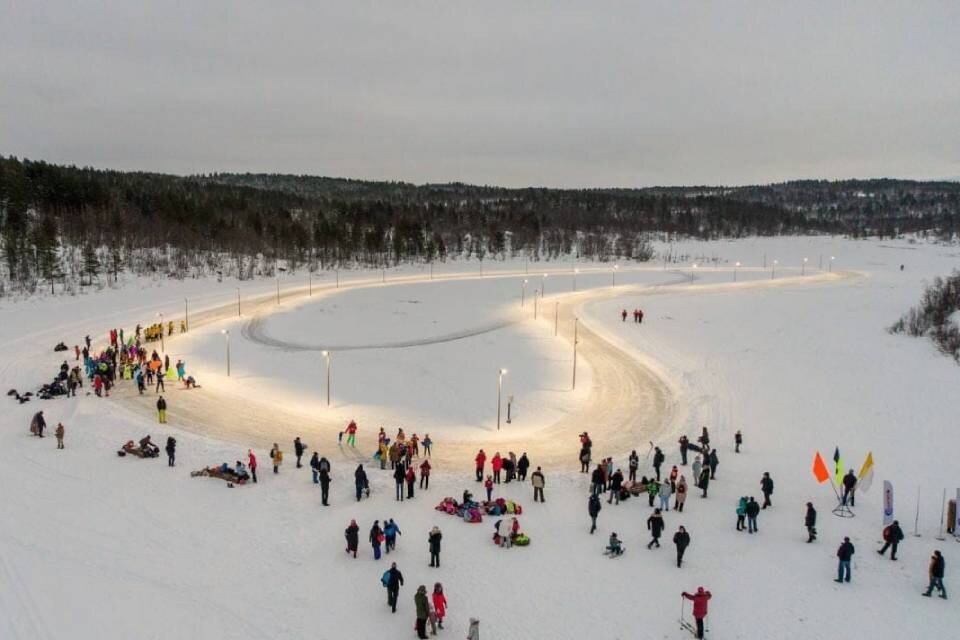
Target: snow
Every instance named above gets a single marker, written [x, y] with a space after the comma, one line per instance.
[96, 546]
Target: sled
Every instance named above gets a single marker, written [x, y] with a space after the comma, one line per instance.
[610, 554]
[694, 447]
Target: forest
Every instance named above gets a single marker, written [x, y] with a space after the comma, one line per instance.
[73, 226]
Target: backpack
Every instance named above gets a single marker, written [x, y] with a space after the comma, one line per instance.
[887, 533]
[385, 578]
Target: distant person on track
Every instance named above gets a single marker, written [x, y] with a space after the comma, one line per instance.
[737, 441]
[810, 522]
[352, 434]
[252, 465]
[623, 315]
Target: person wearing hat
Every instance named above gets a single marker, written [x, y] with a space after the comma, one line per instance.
[699, 599]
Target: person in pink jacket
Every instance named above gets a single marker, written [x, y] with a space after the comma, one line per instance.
[439, 603]
[252, 464]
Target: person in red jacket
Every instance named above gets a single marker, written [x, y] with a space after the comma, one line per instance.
[425, 474]
[439, 603]
[497, 464]
[480, 460]
[252, 464]
[699, 599]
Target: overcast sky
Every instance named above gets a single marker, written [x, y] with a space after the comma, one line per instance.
[516, 93]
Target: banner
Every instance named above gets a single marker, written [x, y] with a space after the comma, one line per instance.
[820, 471]
[865, 479]
[887, 503]
[956, 525]
[838, 466]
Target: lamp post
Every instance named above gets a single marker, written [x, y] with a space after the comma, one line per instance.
[576, 341]
[310, 276]
[500, 375]
[326, 354]
[226, 334]
[831, 264]
[162, 347]
[543, 282]
[431, 269]
[523, 293]
[575, 272]
[278, 289]
[773, 269]
[383, 275]
[803, 267]
[535, 292]
[337, 271]
[238, 302]
[613, 275]
[735, 267]
[186, 315]
[556, 318]
[693, 277]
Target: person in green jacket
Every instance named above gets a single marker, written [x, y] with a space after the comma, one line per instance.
[653, 487]
[423, 610]
[741, 513]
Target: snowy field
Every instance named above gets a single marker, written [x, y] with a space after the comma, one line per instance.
[96, 546]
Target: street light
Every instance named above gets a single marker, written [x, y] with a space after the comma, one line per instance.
[227, 336]
[543, 281]
[535, 292]
[803, 267]
[238, 302]
[162, 347]
[186, 315]
[500, 375]
[613, 275]
[556, 318]
[735, 267]
[523, 293]
[692, 277]
[310, 276]
[773, 269]
[326, 354]
[831, 263]
[576, 341]
[575, 272]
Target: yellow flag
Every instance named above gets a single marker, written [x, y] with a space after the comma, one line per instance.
[865, 479]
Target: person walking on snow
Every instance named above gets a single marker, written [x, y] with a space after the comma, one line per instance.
[360, 480]
[480, 460]
[433, 541]
[844, 555]
[425, 474]
[596, 481]
[276, 456]
[488, 485]
[682, 540]
[810, 522]
[352, 434]
[700, 599]
[352, 534]
[411, 478]
[538, 482]
[473, 631]
[704, 480]
[390, 532]
[664, 493]
[394, 579]
[766, 486]
[162, 410]
[892, 535]
[439, 603]
[684, 441]
[427, 443]
[593, 508]
[849, 488]
[658, 459]
[399, 475]
[522, 465]
[936, 571]
[497, 464]
[59, 435]
[423, 611]
[737, 441]
[655, 526]
[376, 538]
[298, 449]
[741, 513]
[697, 467]
[681, 498]
[616, 481]
[315, 467]
[623, 315]
[753, 510]
[714, 462]
[171, 449]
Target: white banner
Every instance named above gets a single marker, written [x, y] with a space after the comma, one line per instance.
[887, 503]
[956, 525]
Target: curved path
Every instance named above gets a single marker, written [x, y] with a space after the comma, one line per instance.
[628, 404]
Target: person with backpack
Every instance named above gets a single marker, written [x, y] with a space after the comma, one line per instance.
[681, 495]
[422, 605]
[892, 535]
[392, 579]
[352, 534]
[439, 603]
[766, 486]
[360, 480]
[700, 599]
[593, 508]
[162, 410]
[538, 482]
[390, 532]
[433, 541]
[298, 449]
[844, 555]
[655, 526]
[850, 488]
[682, 540]
[376, 538]
[658, 459]
[936, 571]
[752, 511]
[171, 449]
[276, 456]
[810, 522]
[633, 463]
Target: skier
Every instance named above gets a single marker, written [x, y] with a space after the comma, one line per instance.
[892, 535]
[171, 449]
[684, 441]
[162, 410]
[399, 474]
[376, 538]
[497, 464]
[737, 441]
[714, 462]
[655, 526]
[810, 521]
[538, 482]
[522, 465]
[390, 532]
[752, 510]
[352, 434]
[434, 542]
[352, 534]
[593, 508]
[473, 631]
[682, 540]
[277, 457]
[425, 474]
[252, 465]
[666, 490]
[681, 498]
[298, 449]
[766, 486]
[658, 459]
[360, 480]
[633, 465]
[700, 599]
[439, 603]
[480, 460]
[616, 481]
[936, 575]
[324, 476]
[59, 435]
[423, 611]
[849, 488]
[393, 579]
[844, 554]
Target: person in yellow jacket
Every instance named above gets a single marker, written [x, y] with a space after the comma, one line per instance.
[277, 456]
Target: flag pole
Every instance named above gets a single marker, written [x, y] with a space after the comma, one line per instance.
[943, 504]
[916, 520]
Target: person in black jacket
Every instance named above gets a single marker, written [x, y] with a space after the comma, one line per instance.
[352, 534]
[399, 473]
[713, 461]
[658, 459]
[324, 476]
[161, 410]
[810, 522]
[766, 486]
[616, 481]
[360, 480]
[596, 481]
[171, 450]
[682, 540]
[892, 535]
[522, 465]
[394, 580]
[315, 467]
[753, 510]
[298, 449]
[844, 555]
[936, 575]
[850, 488]
[593, 508]
[655, 525]
[376, 538]
[434, 540]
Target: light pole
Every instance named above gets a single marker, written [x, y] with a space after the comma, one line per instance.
[278, 289]
[556, 318]
[431, 269]
[227, 336]
[535, 292]
[384, 275]
[500, 375]
[186, 315]
[238, 302]
[310, 276]
[162, 347]
[693, 277]
[543, 282]
[338, 277]
[773, 269]
[735, 267]
[831, 264]
[523, 293]
[803, 267]
[820, 264]
[576, 341]
[613, 275]
[575, 272]
[326, 354]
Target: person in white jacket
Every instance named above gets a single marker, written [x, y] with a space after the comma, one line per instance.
[473, 633]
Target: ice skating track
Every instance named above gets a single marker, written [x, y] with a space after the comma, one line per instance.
[628, 404]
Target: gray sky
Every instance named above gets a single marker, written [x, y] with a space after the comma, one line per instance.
[514, 93]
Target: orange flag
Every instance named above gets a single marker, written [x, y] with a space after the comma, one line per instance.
[820, 471]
